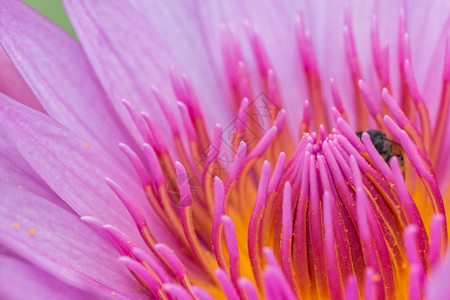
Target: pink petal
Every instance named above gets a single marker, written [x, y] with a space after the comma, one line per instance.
[57, 71]
[15, 170]
[72, 168]
[21, 280]
[60, 243]
[12, 84]
[128, 54]
[178, 25]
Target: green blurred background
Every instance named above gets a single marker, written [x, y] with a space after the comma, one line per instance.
[54, 10]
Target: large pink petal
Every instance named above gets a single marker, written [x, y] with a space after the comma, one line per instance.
[60, 243]
[20, 280]
[129, 55]
[12, 84]
[179, 26]
[56, 69]
[16, 171]
[74, 169]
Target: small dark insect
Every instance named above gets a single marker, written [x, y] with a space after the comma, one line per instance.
[386, 147]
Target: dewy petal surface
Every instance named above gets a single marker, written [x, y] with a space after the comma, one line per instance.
[73, 168]
[21, 280]
[58, 72]
[60, 243]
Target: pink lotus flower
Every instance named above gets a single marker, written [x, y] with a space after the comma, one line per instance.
[283, 200]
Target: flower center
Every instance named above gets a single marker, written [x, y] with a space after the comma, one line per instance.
[333, 216]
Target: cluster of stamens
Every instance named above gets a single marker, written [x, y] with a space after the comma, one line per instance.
[328, 217]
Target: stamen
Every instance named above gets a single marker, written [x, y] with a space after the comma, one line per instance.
[273, 93]
[187, 220]
[129, 204]
[227, 286]
[217, 229]
[176, 291]
[379, 56]
[352, 59]
[437, 244]
[410, 239]
[402, 119]
[214, 148]
[280, 121]
[286, 236]
[150, 281]
[237, 165]
[336, 115]
[120, 240]
[263, 144]
[404, 53]
[159, 142]
[427, 176]
[210, 165]
[187, 122]
[139, 122]
[416, 270]
[154, 165]
[416, 282]
[300, 254]
[174, 263]
[340, 182]
[137, 164]
[420, 105]
[168, 115]
[371, 285]
[442, 118]
[311, 71]
[201, 293]
[408, 205]
[248, 288]
[231, 54]
[337, 100]
[306, 119]
[374, 110]
[370, 254]
[115, 240]
[171, 217]
[345, 234]
[245, 85]
[233, 250]
[305, 46]
[316, 229]
[334, 282]
[262, 60]
[254, 239]
[378, 161]
[350, 135]
[351, 289]
[149, 262]
[276, 285]
[241, 123]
